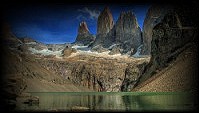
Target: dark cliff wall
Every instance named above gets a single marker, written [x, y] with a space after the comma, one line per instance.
[173, 34]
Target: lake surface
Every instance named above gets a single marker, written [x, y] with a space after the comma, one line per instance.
[108, 101]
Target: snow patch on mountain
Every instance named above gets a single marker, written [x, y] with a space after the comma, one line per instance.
[45, 52]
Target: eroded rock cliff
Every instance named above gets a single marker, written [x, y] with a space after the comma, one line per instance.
[98, 73]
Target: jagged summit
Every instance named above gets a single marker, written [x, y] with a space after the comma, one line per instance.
[84, 36]
[129, 14]
[83, 29]
[105, 21]
[105, 24]
[126, 24]
[125, 33]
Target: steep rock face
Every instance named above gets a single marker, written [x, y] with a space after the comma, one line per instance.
[102, 76]
[153, 17]
[169, 38]
[99, 77]
[105, 21]
[132, 74]
[98, 74]
[180, 76]
[104, 25]
[84, 37]
[128, 33]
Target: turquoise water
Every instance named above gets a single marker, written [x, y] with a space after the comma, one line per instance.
[106, 101]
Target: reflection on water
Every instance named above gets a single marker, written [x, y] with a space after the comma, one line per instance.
[130, 101]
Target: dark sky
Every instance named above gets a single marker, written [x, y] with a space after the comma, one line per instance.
[58, 23]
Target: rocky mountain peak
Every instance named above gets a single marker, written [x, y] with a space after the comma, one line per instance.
[128, 16]
[105, 21]
[106, 10]
[83, 29]
[127, 31]
[84, 37]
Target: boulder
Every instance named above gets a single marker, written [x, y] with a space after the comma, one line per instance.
[68, 51]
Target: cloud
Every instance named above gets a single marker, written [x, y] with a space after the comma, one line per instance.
[93, 14]
[81, 17]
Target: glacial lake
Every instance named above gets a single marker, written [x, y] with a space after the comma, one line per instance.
[111, 101]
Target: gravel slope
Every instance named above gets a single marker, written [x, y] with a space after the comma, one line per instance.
[180, 75]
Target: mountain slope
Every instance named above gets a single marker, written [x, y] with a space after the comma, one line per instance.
[35, 77]
[180, 75]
